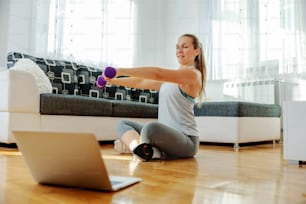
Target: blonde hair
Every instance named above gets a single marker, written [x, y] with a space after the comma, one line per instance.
[199, 63]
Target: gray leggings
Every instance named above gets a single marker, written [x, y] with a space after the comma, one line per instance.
[169, 141]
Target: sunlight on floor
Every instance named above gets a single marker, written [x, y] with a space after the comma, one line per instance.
[9, 153]
[118, 157]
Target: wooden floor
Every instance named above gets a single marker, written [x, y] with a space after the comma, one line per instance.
[254, 174]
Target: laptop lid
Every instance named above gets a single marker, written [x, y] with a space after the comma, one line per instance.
[68, 159]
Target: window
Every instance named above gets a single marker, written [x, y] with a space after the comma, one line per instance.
[98, 32]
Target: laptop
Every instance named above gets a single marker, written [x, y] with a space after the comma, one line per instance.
[69, 160]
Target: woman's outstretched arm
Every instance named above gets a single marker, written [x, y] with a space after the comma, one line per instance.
[134, 82]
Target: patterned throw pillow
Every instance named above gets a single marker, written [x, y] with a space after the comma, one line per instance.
[62, 74]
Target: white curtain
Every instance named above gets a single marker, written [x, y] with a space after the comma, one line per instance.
[257, 39]
[294, 38]
[292, 68]
[95, 32]
[259, 46]
[243, 40]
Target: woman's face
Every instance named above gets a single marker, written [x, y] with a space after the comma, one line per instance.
[185, 51]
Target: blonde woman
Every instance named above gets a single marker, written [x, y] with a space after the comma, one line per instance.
[175, 134]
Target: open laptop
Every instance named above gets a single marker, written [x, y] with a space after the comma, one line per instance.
[68, 159]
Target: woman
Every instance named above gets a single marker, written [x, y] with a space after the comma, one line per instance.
[175, 134]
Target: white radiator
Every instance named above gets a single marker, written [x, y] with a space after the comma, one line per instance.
[260, 91]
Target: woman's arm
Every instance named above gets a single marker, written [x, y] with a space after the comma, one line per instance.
[134, 82]
[179, 76]
[152, 77]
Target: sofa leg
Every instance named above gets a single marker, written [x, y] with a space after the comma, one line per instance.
[236, 146]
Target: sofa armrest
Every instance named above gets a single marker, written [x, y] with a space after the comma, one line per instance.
[19, 92]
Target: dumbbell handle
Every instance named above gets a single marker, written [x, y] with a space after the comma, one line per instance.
[109, 72]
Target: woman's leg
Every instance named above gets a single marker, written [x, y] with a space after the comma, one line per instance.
[129, 133]
[169, 141]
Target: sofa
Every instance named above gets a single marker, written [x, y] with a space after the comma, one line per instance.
[44, 94]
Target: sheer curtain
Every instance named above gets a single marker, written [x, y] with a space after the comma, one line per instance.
[243, 40]
[293, 60]
[248, 36]
[95, 33]
[257, 44]
[294, 41]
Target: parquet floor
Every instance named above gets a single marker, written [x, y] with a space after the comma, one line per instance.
[218, 174]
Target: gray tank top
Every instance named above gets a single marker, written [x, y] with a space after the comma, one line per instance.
[176, 109]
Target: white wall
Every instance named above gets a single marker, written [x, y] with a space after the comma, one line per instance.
[4, 19]
[157, 28]
[20, 30]
[19, 24]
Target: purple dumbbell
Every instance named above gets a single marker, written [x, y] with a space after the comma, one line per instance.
[109, 72]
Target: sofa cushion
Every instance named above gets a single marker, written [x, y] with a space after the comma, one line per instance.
[237, 109]
[62, 74]
[134, 109]
[58, 104]
[42, 81]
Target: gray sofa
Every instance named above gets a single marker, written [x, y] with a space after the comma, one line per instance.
[77, 105]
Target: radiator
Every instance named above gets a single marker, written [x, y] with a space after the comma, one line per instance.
[260, 91]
